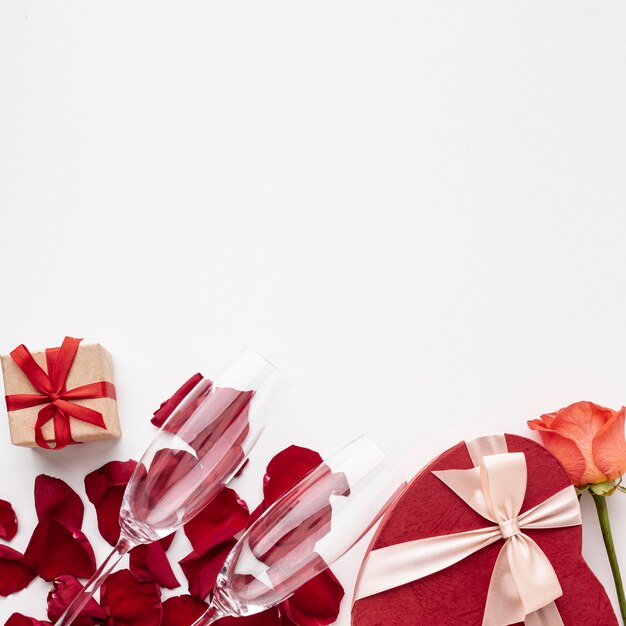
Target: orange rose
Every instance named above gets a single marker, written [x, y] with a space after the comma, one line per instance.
[587, 439]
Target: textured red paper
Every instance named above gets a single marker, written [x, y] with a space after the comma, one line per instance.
[456, 596]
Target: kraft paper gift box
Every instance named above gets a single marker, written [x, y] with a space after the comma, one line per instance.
[60, 396]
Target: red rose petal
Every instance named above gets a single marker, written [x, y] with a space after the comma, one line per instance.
[149, 562]
[108, 514]
[286, 470]
[160, 484]
[182, 611]
[226, 409]
[201, 570]
[166, 542]
[167, 470]
[8, 521]
[317, 602]
[105, 489]
[17, 619]
[224, 517]
[15, 574]
[55, 499]
[271, 617]
[63, 592]
[114, 473]
[89, 621]
[167, 407]
[283, 472]
[131, 602]
[56, 549]
[220, 409]
[297, 543]
[192, 402]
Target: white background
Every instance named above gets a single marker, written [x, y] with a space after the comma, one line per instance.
[416, 209]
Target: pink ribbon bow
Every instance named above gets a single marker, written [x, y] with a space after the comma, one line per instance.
[523, 584]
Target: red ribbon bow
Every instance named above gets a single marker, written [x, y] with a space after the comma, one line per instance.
[56, 396]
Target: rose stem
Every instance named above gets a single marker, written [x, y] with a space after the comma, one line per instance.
[607, 535]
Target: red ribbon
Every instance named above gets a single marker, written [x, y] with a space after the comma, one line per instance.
[55, 395]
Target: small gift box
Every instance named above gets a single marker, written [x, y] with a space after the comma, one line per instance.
[60, 396]
[488, 534]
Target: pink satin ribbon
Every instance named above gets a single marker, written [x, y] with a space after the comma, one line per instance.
[523, 584]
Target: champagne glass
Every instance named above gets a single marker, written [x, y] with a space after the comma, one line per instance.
[200, 447]
[303, 533]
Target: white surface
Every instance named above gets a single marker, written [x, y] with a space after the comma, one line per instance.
[416, 209]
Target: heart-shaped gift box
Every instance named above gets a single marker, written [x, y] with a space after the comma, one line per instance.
[457, 594]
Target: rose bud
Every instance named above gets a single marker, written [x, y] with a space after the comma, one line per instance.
[588, 440]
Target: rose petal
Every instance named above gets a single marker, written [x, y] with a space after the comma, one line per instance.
[15, 574]
[167, 407]
[317, 602]
[287, 469]
[88, 621]
[565, 451]
[283, 472]
[63, 592]
[149, 562]
[225, 410]
[114, 473]
[182, 611]
[609, 447]
[8, 521]
[157, 488]
[17, 619]
[222, 410]
[105, 489]
[569, 434]
[201, 570]
[581, 422]
[271, 617]
[224, 517]
[179, 418]
[56, 549]
[297, 542]
[108, 514]
[166, 542]
[168, 468]
[131, 602]
[55, 499]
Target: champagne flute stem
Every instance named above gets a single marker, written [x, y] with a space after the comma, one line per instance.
[211, 615]
[95, 582]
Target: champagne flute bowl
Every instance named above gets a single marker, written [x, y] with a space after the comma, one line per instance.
[304, 532]
[200, 447]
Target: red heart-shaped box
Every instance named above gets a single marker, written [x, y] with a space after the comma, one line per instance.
[456, 596]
